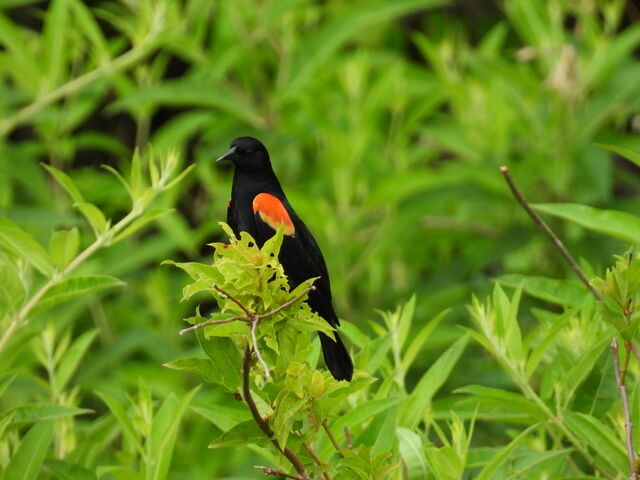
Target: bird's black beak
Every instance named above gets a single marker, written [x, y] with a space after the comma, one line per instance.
[230, 155]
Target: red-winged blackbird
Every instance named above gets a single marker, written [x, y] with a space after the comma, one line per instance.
[259, 206]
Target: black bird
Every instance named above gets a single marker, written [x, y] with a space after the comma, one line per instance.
[259, 206]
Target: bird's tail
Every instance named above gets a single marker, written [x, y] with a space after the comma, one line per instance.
[336, 357]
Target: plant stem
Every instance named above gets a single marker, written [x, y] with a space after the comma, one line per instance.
[273, 471]
[262, 423]
[598, 296]
[254, 325]
[550, 235]
[248, 312]
[332, 438]
[315, 458]
[212, 322]
[628, 426]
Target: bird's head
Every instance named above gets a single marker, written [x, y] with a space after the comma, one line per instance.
[248, 154]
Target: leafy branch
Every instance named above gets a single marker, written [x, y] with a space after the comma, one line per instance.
[253, 319]
[161, 179]
[620, 377]
[250, 318]
[125, 61]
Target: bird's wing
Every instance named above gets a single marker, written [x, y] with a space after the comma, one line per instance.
[299, 255]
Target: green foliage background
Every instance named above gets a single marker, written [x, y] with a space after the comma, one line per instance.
[386, 122]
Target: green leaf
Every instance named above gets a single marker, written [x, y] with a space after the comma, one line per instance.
[431, 381]
[74, 287]
[164, 431]
[66, 182]
[599, 437]
[22, 244]
[542, 348]
[40, 412]
[418, 340]
[225, 417]
[12, 289]
[240, 435]
[362, 413]
[94, 216]
[317, 49]
[123, 419]
[558, 292]
[200, 366]
[72, 358]
[25, 463]
[225, 359]
[54, 34]
[582, 367]
[63, 247]
[502, 456]
[63, 470]
[412, 453]
[120, 178]
[87, 24]
[4, 384]
[136, 181]
[620, 225]
[525, 464]
[141, 221]
[630, 155]
[508, 400]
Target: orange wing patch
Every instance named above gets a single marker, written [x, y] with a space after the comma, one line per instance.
[272, 212]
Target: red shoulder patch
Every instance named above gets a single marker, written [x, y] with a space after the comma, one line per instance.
[272, 212]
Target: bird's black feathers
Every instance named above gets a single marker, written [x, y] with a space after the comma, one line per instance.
[258, 205]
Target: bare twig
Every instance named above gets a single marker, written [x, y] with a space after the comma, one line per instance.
[248, 312]
[319, 462]
[273, 471]
[628, 426]
[213, 322]
[549, 233]
[347, 436]
[287, 304]
[254, 324]
[332, 438]
[251, 317]
[262, 423]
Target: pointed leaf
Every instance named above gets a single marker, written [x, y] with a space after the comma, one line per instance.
[240, 435]
[23, 245]
[74, 287]
[25, 463]
[66, 182]
[620, 225]
[412, 453]
[94, 216]
[502, 456]
[599, 437]
[63, 247]
[430, 382]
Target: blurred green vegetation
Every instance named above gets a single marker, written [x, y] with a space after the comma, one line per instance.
[386, 123]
